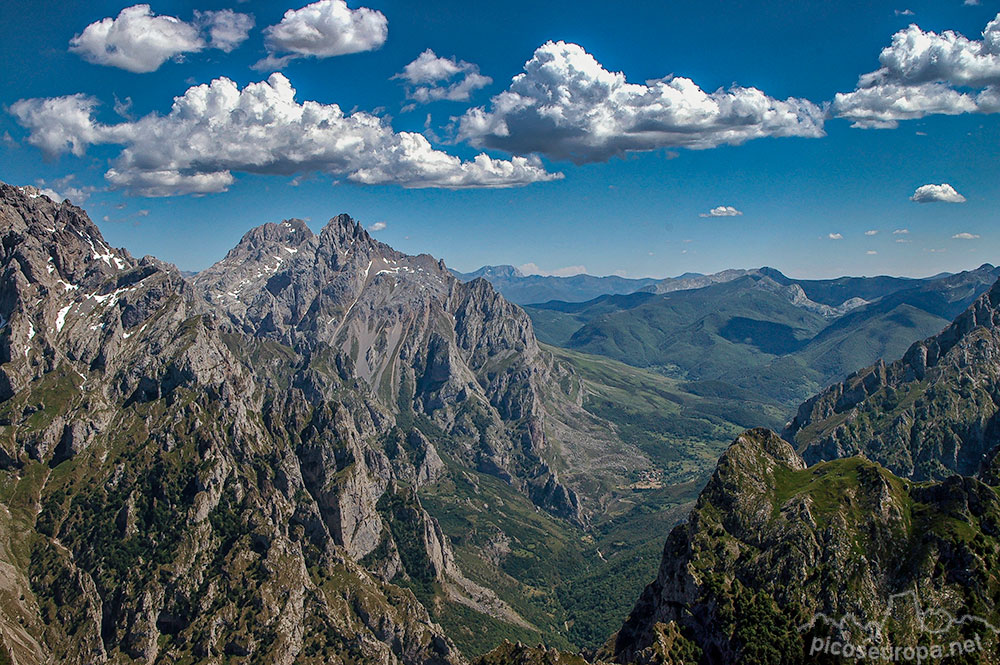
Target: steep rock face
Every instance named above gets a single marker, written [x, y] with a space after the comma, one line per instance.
[455, 356]
[774, 548]
[930, 414]
[52, 259]
[176, 489]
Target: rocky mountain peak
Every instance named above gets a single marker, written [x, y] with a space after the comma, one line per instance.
[983, 313]
[497, 272]
[758, 447]
[343, 230]
[37, 229]
[57, 268]
[777, 541]
[774, 274]
[270, 237]
[743, 475]
[409, 331]
[483, 288]
[290, 231]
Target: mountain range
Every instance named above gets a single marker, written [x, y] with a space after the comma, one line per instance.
[529, 289]
[523, 289]
[323, 450]
[762, 332]
[320, 413]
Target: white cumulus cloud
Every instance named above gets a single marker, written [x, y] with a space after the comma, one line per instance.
[924, 73]
[943, 193]
[835, 236]
[965, 236]
[226, 29]
[323, 29]
[377, 226]
[140, 41]
[722, 211]
[567, 106]
[871, 232]
[64, 188]
[59, 124]
[431, 78]
[215, 129]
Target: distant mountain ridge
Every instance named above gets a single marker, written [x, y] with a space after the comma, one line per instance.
[762, 331]
[491, 272]
[524, 289]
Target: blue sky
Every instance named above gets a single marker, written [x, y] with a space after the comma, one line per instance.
[589, 171]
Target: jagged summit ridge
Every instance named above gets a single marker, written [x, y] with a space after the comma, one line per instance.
[287, 233]
[281, 279]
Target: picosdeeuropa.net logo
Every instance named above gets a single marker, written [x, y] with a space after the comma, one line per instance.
[907, 632]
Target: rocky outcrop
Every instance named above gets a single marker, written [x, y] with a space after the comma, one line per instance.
[777, 554]
[930, 414]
